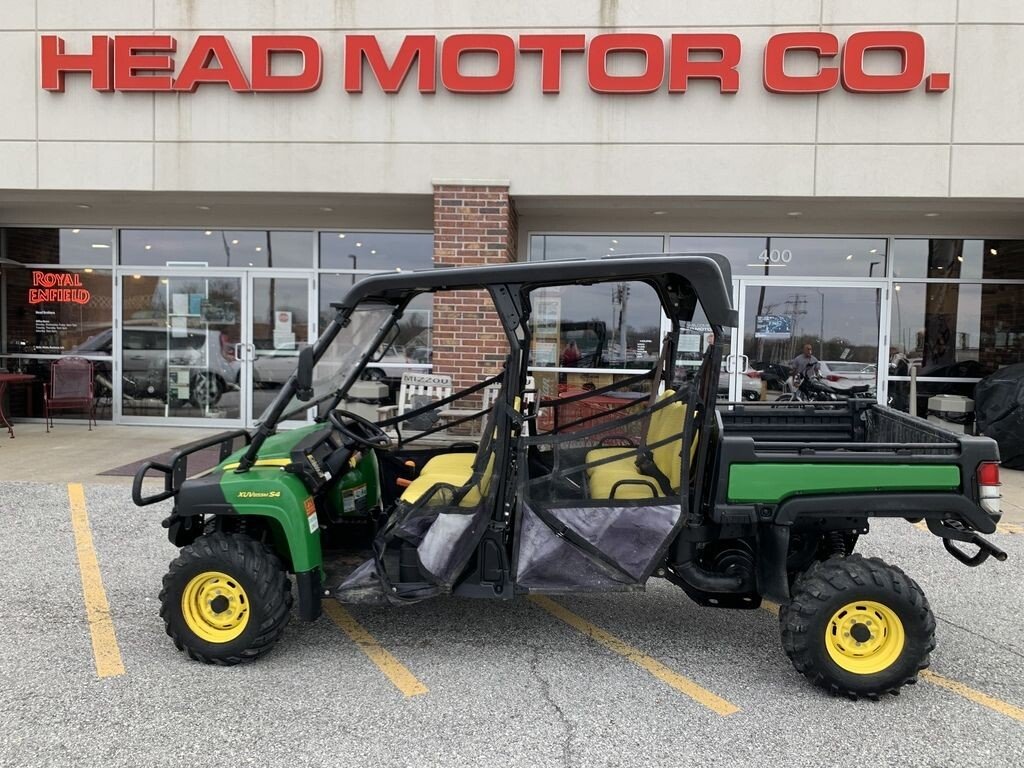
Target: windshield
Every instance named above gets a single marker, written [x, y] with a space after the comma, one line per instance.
[341, 356]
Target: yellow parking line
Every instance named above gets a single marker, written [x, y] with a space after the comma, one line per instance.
[996, 705]
[104, 643]
[772, 608]
[1010, 528]
[656, 668]
[397, 673]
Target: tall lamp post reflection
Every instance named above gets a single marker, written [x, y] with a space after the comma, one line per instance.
[355, 266]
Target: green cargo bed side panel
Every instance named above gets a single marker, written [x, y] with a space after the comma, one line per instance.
[770, 483]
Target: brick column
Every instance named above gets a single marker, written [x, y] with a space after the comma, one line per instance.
[474, 224]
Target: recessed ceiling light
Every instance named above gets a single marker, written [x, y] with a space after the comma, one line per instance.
[83, 206]
[149, 247]
[250, 263]
[615, 242]
[88, 269]
[234, 242]
[993, 251]
[849, 256]
[897, 287]
[341, 235]
[931, 215]
[208, 232]
[960, 258]
[795, 213]
[373, 251]
[611, 249]
[136, 277]
[75, 231]
[359, 245]
[203, 207]
[325, 209]
[259, 248]
[165, 281]
[658, 213]
[100, 245]
[873, 250]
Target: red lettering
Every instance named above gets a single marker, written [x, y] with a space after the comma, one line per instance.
[504, 77]
[263, 49]
[681, 68]
[776, 80]
[139, 53]
[55, 63]
[648, 81]
[551, 48]
[415, 48]
[197, 70]
[910, 46]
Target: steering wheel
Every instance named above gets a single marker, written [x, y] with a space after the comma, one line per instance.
[374, 436]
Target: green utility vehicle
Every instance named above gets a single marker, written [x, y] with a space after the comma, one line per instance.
[511, 488]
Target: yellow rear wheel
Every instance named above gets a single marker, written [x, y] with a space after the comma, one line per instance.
[864, 637]
[215, 607]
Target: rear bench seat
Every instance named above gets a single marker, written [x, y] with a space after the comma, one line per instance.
[623, 476]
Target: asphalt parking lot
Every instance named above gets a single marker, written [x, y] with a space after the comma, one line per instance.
[632, 679]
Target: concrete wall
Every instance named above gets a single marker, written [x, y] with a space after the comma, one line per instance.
[965, 143]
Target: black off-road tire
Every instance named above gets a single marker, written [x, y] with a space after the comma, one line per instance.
[256, 569]
[823, 590]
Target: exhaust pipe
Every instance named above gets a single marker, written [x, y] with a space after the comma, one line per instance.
[686, 569]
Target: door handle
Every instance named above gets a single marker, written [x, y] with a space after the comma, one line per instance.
[730, 364]
[238, 352]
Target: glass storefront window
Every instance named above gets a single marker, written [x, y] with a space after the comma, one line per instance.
[57, 311]
[376, 251]
[959, 330]
[792, 256]
[554, 247]
[951, 259]
[216, 248]
[78, 246]
[604, 326]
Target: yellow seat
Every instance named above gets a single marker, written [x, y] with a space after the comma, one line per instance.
[455, 476]
[664, 423]
[447, 462]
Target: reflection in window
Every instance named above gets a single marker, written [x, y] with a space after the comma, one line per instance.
[78, 246]
[377, 251]
[946, 258]
[822, 257]
[553, 247]
[216, 248]
[608, 325]
[956, 329]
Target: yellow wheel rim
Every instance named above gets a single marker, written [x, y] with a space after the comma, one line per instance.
[864, 637]
[215, 607]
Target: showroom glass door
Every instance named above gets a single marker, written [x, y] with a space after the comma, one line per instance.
[841, 322]
[179, 332]
[281, 321]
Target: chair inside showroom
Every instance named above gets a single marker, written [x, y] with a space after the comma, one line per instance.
[71, 388]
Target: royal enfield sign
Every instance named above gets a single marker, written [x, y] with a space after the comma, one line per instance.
[149, 63]
[57, 288]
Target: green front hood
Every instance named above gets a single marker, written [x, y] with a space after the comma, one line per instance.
[276, 447]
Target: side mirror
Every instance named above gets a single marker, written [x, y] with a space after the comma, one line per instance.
[304, 375]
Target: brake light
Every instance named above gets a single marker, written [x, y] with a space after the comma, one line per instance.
[832, 377]
[753, 374]
[988, 473]
[988, 487]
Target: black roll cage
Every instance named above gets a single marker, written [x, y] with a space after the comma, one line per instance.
[682, 281]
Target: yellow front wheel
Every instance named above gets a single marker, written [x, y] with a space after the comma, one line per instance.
[857, 626]
[225, 599]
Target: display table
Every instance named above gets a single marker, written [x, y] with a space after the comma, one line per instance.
[7, 379]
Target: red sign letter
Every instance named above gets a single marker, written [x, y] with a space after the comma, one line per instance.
[390, 78]
[55, 63]
[910, 46]
[128, 61]
[551, 48]
[681, 68]
[776, 80]
[597, 63]
[263, 49]
[196, 69]
[504, 77]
